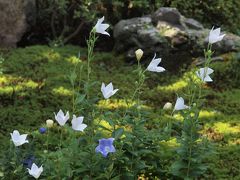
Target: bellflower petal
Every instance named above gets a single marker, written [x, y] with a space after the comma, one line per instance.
[61, 118]
[203, 74]
[101, 28]
[35, 171]
[105, 146]
[18, 139]
[108, 91]
[180, 104]
[77, 124]
[153, 66]
[214, 35]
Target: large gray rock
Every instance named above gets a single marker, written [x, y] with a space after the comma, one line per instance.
[172, 36]
[137, 32]
[15, 15]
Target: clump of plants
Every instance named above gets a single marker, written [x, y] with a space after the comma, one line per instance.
[117, 144]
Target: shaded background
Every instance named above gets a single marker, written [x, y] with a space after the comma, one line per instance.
[59, 20]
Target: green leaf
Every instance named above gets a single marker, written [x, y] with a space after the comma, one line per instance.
[110, 121]
[72, 78]
[117, 133]
[140, 165]
[80, 98]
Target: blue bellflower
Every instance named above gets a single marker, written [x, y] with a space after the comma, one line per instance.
[105, 146]
[28, 161]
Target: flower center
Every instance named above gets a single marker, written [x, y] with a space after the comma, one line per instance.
[107, 149]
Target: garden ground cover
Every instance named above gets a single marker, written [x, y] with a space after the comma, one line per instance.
[35, 83]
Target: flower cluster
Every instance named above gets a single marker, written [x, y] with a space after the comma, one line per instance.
[61, 118]
[19, 140]
[77, 122]
[202, 73]
[106, 145]
[214, 37]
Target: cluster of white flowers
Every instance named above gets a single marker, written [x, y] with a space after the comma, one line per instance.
[60, 117]
[19, 140]
[108, 91]
[214, 36]
[202, 73]
[77, 122]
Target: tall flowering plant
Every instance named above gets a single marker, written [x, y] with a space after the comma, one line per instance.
[193, 147]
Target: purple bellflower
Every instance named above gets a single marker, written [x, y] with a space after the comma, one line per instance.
[105, 146]
[27, 162]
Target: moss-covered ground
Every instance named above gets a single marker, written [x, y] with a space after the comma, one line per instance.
[35, 83]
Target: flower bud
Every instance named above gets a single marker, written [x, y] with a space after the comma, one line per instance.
[167, 106]
[49, 123]
[42, 130]
[139, 54]
[209, 52]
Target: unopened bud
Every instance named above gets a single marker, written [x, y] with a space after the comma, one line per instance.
[167, 106]
[139, 54]
[49, 123]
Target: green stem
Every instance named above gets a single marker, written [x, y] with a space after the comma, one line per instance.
[190, 153]
[90, 43]
[61, 139]
[140, 82]
[73, 88]
[207, 55]
[47, 137]
[208, 58]
[139, 89]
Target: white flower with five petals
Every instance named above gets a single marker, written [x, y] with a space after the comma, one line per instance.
[214, 35]
[153, 66]
[108, 91]
[61, 118]
[77, 124]
[101, 28]
[180, 104]
[35, 171]
[18, 139]
[203, 74]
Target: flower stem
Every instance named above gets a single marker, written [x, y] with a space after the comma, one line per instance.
[194, 120]
[61, 138]
[47, 137]
[90, 44]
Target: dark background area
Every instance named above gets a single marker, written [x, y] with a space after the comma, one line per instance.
[69, 21]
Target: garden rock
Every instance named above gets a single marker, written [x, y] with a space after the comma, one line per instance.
[172, 36]
[15, 16]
